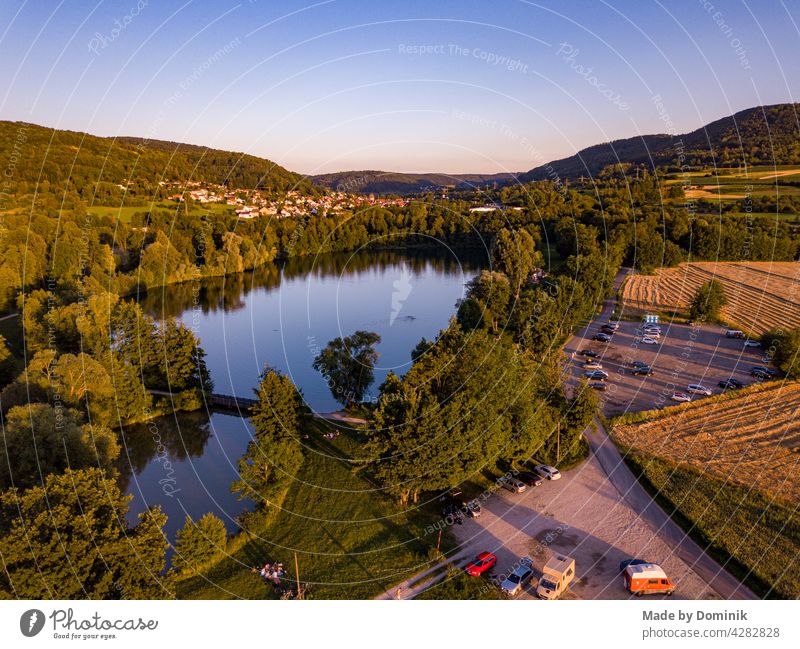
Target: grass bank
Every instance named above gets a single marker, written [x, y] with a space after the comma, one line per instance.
[352, 541]
[755, 537]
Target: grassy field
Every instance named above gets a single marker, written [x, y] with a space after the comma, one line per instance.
[731, 184]
[351, 541]
[751, 437]
[755, 537]
[761, 295]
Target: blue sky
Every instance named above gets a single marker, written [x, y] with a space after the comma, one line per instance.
[453, 86]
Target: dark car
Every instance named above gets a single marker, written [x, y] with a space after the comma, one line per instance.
[631, 562]
[455, 511]
[761, 374]
[731, 384]
[645, 370]
[602, 387]
[608, 329]
[603, 338]
[589, 353]
[596, 375]
[530, 479]
[762, 369]
[639, 364]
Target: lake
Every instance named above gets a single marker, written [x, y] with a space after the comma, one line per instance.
[280, 316]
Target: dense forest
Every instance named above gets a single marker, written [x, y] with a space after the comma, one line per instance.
[106, 171]
[765, 135]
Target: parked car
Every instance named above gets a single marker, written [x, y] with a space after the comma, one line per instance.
[752, 343]
[602, 387]
[530, 479]
[603, 338]
[597, 375]
[547, 471]
[734, 333]
[681, 396]
[696, 388]
[631, 562]
[589, 353]
[647, 579]
[517, 578]
[763, 369]
[647, 340]
[608, 330]
[472, 508]
[731, 384]
[454, 511]
[613, 324]
[480, 564]
[646, 370]
[592, 365]
[638, 364]
[761, 374]
[511, 484]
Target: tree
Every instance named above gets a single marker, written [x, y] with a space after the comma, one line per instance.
[83, 549]
[487, 300]
[6, 362]
[180, 360]
[275, 454]
[708, 302]
[198, 543]
[466, 403]
[41, 439]
[348, 365]
[515, 255]
[784, 347]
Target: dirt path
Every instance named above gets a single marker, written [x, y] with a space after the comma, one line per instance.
[779, 174]
[340, 417]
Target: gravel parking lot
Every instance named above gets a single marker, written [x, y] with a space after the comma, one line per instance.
[685, 354]
[584, 516]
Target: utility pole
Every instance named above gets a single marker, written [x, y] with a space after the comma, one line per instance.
[297, 577]
[558, 442]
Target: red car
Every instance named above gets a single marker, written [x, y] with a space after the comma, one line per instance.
[480, 564]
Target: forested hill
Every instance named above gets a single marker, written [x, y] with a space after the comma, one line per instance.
[388, 182]
[763, 135]
[52, 160]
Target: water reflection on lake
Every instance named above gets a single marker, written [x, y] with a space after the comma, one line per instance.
[279, 316]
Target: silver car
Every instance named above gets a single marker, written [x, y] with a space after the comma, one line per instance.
[512, 484]
[513, 584]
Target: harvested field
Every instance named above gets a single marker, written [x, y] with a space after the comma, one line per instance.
[750, 438]
[710, 191]
[761, 295]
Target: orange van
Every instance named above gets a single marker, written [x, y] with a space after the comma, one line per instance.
[647, 579]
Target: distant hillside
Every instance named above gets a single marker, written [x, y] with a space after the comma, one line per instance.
[53, 160]
[757, 136]
[387, 182]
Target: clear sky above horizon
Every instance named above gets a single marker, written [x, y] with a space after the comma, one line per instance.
[450, 86]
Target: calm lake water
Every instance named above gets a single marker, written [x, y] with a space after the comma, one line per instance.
[281, 317]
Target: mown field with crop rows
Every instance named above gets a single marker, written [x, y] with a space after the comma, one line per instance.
[751, 439]
[761, 295]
